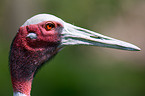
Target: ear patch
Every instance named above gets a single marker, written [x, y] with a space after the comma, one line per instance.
[32, 35]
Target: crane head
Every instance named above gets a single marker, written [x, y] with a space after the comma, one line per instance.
[40, 38]
[55, 29]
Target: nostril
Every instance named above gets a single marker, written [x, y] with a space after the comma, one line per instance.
[32, 35]
[99, 37]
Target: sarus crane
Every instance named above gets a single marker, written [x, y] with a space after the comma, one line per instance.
[40, 38]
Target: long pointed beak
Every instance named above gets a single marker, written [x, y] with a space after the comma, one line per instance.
[73, 35]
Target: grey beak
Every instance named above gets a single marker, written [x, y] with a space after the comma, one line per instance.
[73, 35]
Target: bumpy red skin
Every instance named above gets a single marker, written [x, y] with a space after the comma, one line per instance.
[27, 54]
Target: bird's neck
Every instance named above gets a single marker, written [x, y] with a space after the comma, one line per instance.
[22, 71]
[25, 60]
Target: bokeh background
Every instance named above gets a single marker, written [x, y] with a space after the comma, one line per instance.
[82, 70]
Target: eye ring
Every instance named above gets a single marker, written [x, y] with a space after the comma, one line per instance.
[49, 26]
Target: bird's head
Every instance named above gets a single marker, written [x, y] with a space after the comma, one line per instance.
[40, 38]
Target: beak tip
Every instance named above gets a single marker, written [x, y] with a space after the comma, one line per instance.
[137, 49]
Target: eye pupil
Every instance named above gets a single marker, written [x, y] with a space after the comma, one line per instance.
[49, 26]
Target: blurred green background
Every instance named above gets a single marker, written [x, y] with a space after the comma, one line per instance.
[82, 70]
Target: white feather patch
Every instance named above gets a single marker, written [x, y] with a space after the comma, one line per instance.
[18, 94]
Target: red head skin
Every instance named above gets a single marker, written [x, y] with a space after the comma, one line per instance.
[28, 54]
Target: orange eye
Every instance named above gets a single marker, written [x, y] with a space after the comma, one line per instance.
[49, 25]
